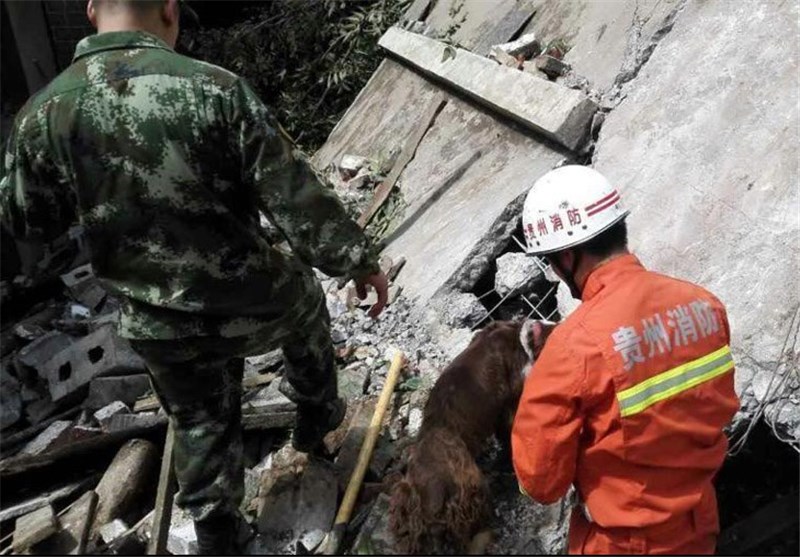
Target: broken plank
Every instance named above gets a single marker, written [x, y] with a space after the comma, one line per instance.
[12, 440]
[76, 520]
[270, 420]
[26, 463]
[258, 380]
[146, 404]
[48, 499]
[162, 514]
[34, 527]
[409, 149]
[761, 526]
[507, 29]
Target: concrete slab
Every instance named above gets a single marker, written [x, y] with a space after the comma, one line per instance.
[706, 159]
[476, 25]
[601, 35]
[457, 237]
[383, 115]
[561, 114]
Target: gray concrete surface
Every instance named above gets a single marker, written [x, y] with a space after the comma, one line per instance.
[559, 113]
[704, 148]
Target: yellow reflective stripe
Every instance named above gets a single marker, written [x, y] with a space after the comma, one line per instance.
[522, 490]
[674, 381]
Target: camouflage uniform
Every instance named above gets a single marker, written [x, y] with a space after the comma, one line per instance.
[166, 162]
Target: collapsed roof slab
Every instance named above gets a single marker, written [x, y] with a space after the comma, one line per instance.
[460, 206]
[561, 114]
[468, 169]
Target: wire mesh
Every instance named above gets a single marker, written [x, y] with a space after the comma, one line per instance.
[538, 307]
[783, 389]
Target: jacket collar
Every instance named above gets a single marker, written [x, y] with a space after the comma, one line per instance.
[608, 273]
[117, 40]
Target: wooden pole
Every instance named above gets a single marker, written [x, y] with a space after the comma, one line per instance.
[330, 545]
[162, 514]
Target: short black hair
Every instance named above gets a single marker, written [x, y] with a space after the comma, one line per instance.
[138, 6]
[608, 242]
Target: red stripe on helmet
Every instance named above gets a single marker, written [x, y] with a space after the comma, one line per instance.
[601, 201]
[610, 203]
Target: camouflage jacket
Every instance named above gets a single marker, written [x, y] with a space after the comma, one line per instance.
[166, 161]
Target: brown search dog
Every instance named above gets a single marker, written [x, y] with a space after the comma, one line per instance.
[443, 499]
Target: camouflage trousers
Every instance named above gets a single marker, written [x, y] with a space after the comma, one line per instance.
[199, 383]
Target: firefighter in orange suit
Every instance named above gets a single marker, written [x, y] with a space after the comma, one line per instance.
[629, 398]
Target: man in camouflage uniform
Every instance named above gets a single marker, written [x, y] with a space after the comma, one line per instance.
[166, 162]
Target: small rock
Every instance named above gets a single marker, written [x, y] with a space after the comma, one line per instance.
[338, 336]
[517, 274]
[461, 309]
[105, 413]
[112, 530]
[182, 539]
[361, 180]
[353, 163]
[414, 421]
[394, 292]
[551, 66]
[363, 352]
[352, 381]
[525, 46]
[506, 59]
[336, 307]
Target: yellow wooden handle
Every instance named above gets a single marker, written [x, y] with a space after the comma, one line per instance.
[354, 485]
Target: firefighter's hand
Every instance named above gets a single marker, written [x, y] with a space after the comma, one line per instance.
[381, 285]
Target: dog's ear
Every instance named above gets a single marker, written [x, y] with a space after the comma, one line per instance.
[533, 335]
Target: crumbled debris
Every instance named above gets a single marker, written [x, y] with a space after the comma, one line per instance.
[550, 66]
[524, 47]
[517, 274]
[106, 413]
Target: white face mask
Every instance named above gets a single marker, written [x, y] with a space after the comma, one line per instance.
[549, 274]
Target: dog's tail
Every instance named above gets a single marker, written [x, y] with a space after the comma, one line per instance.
[443, 498]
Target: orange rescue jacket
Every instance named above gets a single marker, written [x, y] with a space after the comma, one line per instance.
[628, 399]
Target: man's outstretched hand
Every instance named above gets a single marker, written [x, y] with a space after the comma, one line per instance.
[381, 285]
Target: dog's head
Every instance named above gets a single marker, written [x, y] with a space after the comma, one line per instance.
[533, 334]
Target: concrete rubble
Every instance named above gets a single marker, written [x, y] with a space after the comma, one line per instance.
[517, 274]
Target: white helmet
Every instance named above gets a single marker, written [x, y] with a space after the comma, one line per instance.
[568, 206]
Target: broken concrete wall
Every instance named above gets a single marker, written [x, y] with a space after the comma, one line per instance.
[704, 148]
